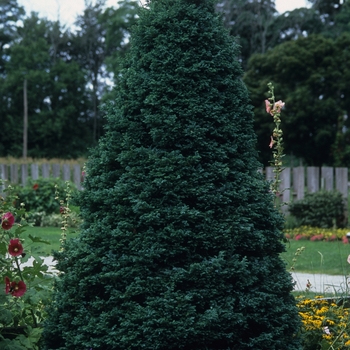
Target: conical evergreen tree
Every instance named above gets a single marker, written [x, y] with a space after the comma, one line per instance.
[180, 245]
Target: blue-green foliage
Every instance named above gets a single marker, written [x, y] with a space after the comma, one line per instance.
[180, 242]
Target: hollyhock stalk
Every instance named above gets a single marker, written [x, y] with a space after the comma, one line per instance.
[21, 277]
[276, 143]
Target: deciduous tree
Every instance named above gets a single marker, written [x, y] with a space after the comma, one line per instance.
[57, 100]
[312, 73]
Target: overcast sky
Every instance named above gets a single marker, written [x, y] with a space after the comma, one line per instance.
[67, 10]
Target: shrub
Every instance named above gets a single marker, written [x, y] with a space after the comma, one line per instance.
[40, 196]
[180, 245]
[320, 209]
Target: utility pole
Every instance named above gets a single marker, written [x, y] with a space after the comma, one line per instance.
[25, 120]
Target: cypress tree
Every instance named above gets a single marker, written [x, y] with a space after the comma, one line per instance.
[180, 243]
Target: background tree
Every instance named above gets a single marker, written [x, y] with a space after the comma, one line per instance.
[10, 14]
[328, 9]
[89, 49]
[295, 24]
[100, 40]
[251, 23]
[118, 22]
[60, 72]
[56, 96]
[312, 73]
[180, 237]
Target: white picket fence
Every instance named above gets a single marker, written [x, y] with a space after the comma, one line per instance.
[294, 181]
[19, 173]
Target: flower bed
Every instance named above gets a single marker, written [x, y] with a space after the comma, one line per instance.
[325, 323]
[317, 234]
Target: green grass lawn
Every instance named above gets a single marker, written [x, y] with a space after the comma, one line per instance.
[319, 257]
[50, 234]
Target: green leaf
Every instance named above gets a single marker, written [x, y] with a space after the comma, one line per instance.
[3, 248]
[7, 344]
[5, 316]
[37, 239]
[19, 230]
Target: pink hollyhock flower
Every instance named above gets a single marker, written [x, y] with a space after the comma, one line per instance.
[7, 221]
[268, 106]
[278, 106]
[345, 240]
[35, 187]
[15, 247]
[272, 142]
[16, 289]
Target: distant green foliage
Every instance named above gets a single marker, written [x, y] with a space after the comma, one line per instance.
[311, 74]
[320, 209]
[53, 220]
[39, 195]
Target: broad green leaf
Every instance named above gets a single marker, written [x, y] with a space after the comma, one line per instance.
[37, 239]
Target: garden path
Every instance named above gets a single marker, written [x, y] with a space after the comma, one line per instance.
[321, 283]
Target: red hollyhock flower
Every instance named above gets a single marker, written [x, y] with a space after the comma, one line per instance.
[15, 247]
[16, 289]
[7, 221]
[35, 187]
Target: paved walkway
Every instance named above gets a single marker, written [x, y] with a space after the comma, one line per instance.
[319, 283]
[48, 260]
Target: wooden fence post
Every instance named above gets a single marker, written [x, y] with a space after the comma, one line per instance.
[45, 170]
[24, 174]
[269, 174]
[341, 175]
[285, 188]
[56, 170]
[299, 182]
[327, 178]
[66, 172]
[3, 177]
[14, 174]
[77, 176]
[313, 179]
[34, 171]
